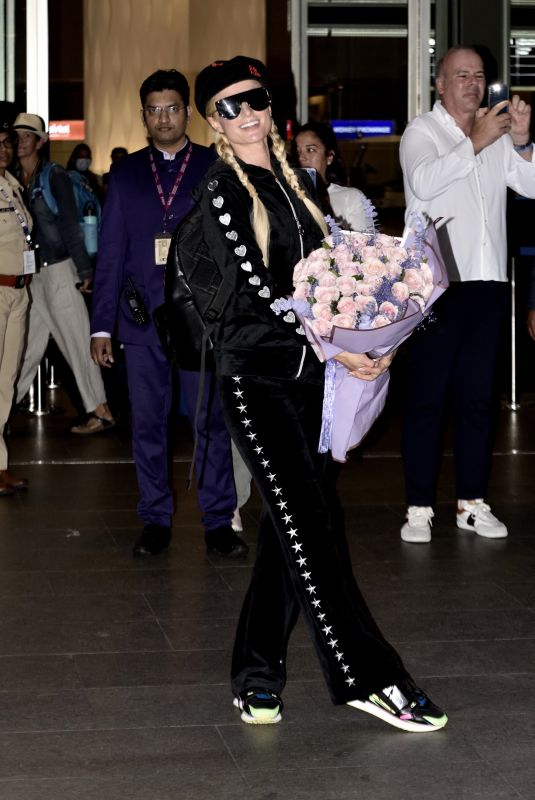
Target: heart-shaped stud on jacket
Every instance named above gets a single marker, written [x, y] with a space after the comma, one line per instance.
[232, 235]
[241, 250]
[254, 280]
[218, 201]
[224, 219]
[289, 317]
[247, 266]
[213, 185]
[264, 292]
[300, 330]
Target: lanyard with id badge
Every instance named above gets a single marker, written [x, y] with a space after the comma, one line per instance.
[30, 261]
[162, 241]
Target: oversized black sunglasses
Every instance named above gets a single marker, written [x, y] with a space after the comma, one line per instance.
[230, 107]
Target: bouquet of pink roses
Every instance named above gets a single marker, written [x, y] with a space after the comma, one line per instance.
[363, 293]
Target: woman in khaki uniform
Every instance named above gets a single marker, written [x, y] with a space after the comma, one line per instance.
[15, 225]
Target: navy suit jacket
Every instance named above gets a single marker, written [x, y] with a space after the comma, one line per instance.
[133, 214]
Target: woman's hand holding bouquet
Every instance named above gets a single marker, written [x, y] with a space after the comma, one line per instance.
[360, 295]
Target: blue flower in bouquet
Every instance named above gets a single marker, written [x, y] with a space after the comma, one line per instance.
[362, 280]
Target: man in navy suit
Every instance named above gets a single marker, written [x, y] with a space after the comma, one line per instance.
[149, 192]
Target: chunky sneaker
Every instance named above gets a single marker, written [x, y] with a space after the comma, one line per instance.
[259, 706]
[477, 517]
[417, 529]
[404, 706]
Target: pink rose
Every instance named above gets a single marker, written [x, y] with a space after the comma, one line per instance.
[358, 240]
[400, 292]
[372, 267]
[346, 284]
[346, 305]
[316, 263]
[426, 273]
[322, 311]
[300, 271]
[414, 279]
[321, 326]
[388, 310]
[368, 251]
[367, 287]
[380, 321]
[326, 294]
[396, 253]
[327, 279]
[419, 300]
[344, 320]
[386, 240]
[348, 268]
[344, 260]
[393, 269]
[365, 305]
[302, 290]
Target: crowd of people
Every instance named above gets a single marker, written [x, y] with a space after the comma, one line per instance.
[257, 412]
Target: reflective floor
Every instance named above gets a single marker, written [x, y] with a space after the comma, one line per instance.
[114, 672]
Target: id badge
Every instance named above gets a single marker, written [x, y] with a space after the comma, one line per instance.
[162, 242]
[29, 262]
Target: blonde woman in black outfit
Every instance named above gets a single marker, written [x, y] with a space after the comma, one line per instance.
[258, 222]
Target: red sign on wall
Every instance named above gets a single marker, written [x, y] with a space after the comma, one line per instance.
[67, 130]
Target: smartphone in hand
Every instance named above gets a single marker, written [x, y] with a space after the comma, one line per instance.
[497, 92]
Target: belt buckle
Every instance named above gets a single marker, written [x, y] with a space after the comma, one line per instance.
[20, 281]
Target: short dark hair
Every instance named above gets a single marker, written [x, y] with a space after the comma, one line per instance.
[163, 79]
[118, 151]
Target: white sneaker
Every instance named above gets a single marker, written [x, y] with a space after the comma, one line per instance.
[417, 529]
[236, 524]
[477, 517]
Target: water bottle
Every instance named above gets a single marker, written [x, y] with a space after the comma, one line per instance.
[90, 228]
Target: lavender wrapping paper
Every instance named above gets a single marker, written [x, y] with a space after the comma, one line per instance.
[358, 403]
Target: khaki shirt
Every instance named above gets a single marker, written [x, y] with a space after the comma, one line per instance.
[12, 240]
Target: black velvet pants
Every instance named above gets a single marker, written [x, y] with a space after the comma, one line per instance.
[303, 560]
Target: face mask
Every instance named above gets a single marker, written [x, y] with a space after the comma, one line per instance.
[82, 164]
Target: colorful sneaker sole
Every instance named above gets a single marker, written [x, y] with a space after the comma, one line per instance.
[411, 726]
[259, 716]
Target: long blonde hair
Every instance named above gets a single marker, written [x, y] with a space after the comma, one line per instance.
[260, 220]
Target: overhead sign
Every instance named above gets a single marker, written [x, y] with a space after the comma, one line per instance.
[67, 130]
[355, 128]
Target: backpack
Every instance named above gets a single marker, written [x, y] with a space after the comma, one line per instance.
[195, 295]
[196, 292]
[89, 211]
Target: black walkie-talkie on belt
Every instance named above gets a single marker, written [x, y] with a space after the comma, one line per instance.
[137, 306]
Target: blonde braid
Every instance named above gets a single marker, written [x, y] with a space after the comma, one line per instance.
[279, 151]
[260, 221]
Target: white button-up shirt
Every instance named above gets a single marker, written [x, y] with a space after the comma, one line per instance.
[443, 177]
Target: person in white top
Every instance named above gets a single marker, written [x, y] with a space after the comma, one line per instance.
[458, 161]
[314, 146]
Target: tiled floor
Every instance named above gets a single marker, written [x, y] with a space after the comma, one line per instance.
[114, 672]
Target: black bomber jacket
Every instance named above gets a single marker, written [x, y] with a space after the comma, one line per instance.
[251, 338]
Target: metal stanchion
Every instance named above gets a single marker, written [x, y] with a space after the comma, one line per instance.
[513, 404]
[51, 382]
[37, 394]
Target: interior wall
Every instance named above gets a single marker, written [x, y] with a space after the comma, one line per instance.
[127, 41]
[221, 30]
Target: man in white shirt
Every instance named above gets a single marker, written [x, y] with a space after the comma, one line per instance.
[458, 161]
